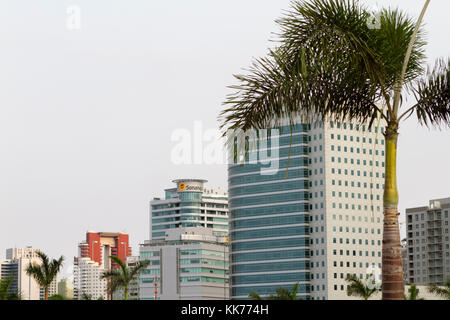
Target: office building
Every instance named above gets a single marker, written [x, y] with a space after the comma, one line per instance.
[94, 258]
[189, 204]
[428, 243]
[190, 264]
[313, 218]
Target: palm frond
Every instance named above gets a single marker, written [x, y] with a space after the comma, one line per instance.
[37, 272]
[254, 296]
[122, 265]
[443, 292]
[323, 67]
[136, 269]
[433, 96]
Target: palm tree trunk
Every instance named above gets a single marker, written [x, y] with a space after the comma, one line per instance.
[392, 268]
[126, 292]
[46, 293]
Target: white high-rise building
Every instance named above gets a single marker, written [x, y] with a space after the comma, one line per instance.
[16, 263]
[87, 280]
[316, 218]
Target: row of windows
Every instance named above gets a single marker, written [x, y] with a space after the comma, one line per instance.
[360, 241]
[275, 266]
[352, 172]
[268, 233]
[203, 279]
[355, 126]
[354, 253]
[266, 290]
[273, 221]
[270, 199]
[352, 149]
[270, 255]
[350, 138]
[355, 207]
[292, 173]
[270, 244]
[204, 261]
[202, 252]
[353, 195]
[353, 230]
[270, 210]
[267, 278]
[272, 187]
[203, 270]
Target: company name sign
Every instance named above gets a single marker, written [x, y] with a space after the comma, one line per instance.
[190, 186]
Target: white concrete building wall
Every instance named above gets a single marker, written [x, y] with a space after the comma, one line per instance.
[342, 160]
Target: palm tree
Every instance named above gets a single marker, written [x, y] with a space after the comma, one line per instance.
[440, 291]
[358, 288]
[45, 272]
[281, 294]
[121, 278]
[332, 64]
[5, 289]
[413, 293]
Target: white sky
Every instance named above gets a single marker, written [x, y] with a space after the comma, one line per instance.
[86, 116]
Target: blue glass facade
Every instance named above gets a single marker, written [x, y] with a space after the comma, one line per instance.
[269, 220]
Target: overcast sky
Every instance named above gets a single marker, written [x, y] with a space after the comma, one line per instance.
[87, 115]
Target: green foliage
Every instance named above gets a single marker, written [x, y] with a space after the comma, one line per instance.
[56, 297]
[444, 292]
[413, 293]
[358, 288]
[121, 278]
[281, 294]
[45, 272]
[5, 289]
[329, 62]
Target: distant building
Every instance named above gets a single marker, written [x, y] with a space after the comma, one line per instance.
[189, 205]
[133, 288]
[65, 288]
[16, 263]
[428, 243]
[190, 264]
[94, 258]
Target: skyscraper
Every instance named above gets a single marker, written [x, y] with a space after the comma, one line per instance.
[189, 205]
[312, 219]
[94, 258]
[428, 243]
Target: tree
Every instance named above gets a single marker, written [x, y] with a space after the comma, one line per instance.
[413, 293]
[440, 291]
[358, 288]
[5, 289]
[121, 278]
[45, 272]
[331, 63]
[281, 294]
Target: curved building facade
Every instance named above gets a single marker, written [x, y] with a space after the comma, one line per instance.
[269, 217]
